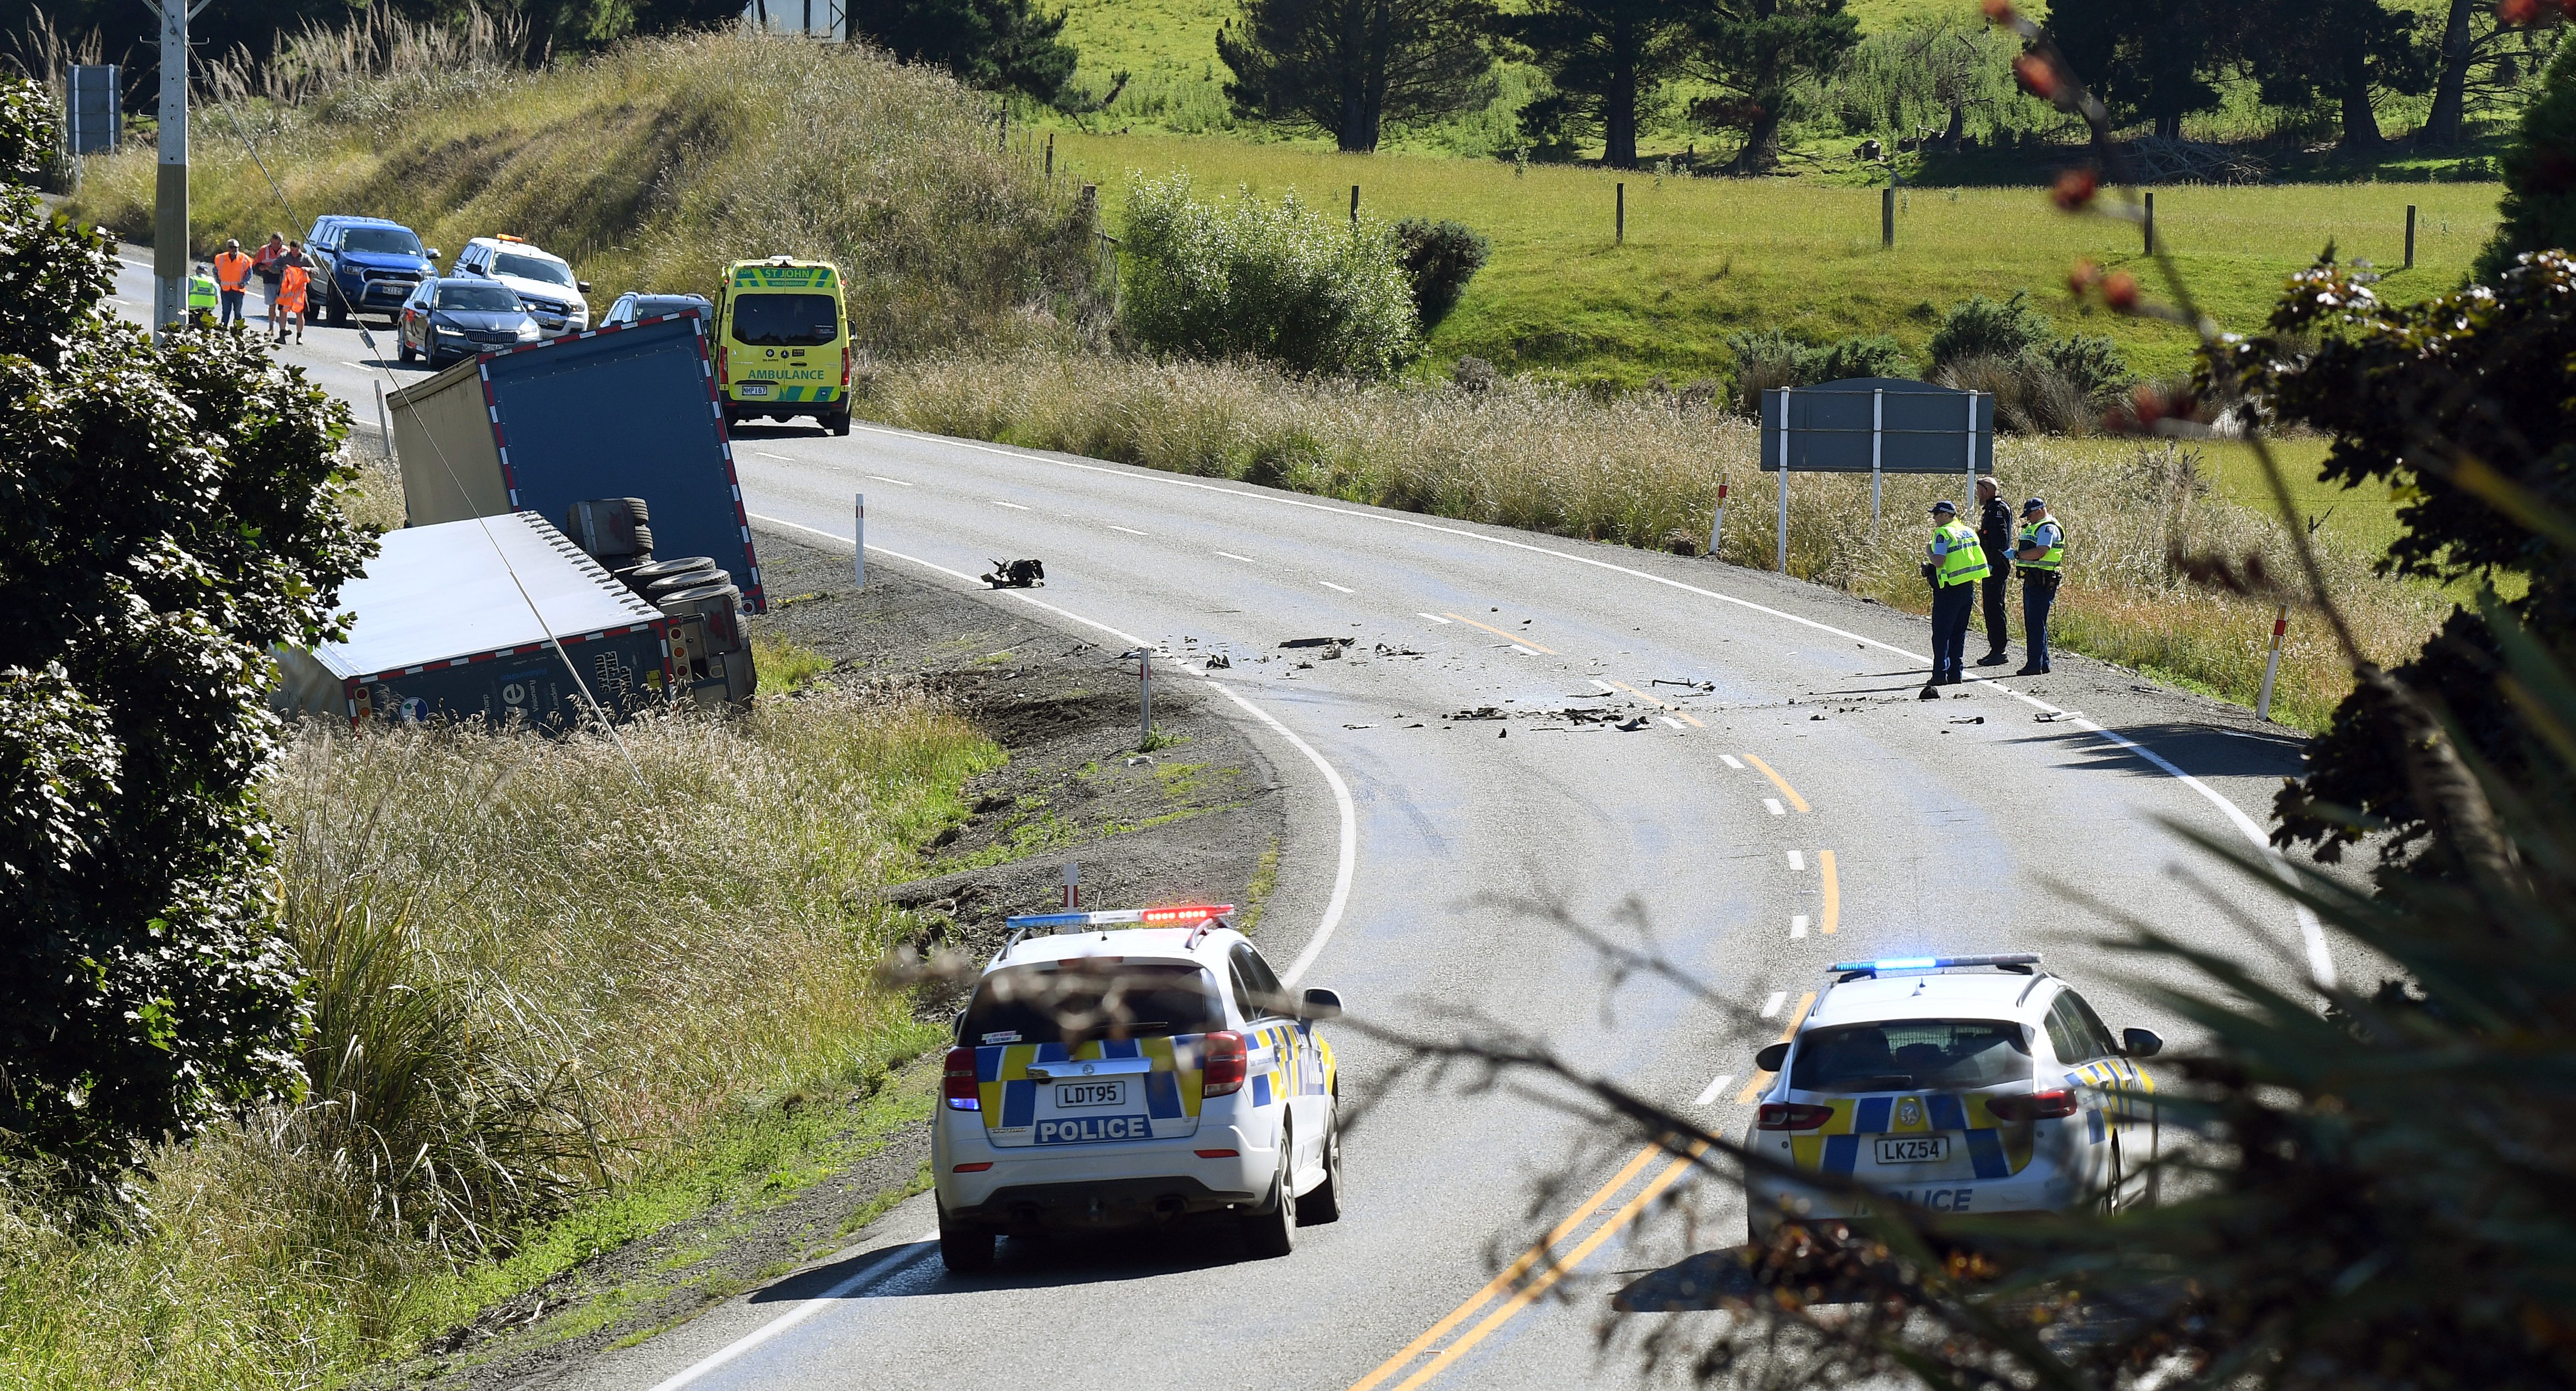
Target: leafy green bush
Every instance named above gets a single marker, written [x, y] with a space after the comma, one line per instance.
[2092, 366]
[1251, 278]
[1769, 358]
[1440, 257]
[1862, 355]
[167, 515]
[1983, 328]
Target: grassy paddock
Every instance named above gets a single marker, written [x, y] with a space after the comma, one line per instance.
[1644, 469]
[1706, 257]
[651, 167]
[554, 992]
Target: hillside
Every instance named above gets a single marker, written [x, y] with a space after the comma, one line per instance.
[1706, 257]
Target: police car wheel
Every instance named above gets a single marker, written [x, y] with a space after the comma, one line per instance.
[964, 1250]
[403, 351]
[1273, 1233]
[1324, 1204]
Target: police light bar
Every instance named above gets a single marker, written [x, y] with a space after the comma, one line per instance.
[1934, 963]
[1179, 915]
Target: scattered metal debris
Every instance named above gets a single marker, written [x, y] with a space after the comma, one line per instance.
[1017, 574]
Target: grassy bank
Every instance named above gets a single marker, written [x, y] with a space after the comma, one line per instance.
[1644, 469]
[1703, 258]
[556, 994]
[651, 167]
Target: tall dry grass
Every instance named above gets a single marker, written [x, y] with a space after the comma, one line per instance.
[650, 167]
[538, 972]
[1644, 469]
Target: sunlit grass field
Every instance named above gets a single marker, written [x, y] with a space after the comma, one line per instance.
[1563, 297]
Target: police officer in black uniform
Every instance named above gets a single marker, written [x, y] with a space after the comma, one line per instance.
[1995, 533]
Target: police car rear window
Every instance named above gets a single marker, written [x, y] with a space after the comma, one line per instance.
[1911, 1055]
[785, 321]
[1090, 998]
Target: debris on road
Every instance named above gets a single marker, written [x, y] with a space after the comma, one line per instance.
[1016, 574]
[1334, 643]
[2054, 716]
[1969, 719]
[1633, 724]
[1385, 651]
[1218, 661]
[1481, 712]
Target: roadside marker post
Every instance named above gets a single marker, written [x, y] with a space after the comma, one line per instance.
[859, 551]
[1784, 479]
[1887, 215]
[384, 425]
[1144, 659]
[1355, 205]
[1717, 525]
[2272, 664]
[1878, 452]
[1072, 886]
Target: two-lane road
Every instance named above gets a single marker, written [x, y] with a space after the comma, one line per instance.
[1781, 802]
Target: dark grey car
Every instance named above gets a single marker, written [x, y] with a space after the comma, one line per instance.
[452, 318]
[635, 306]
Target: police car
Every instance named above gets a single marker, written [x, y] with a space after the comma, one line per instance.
[1135, 1068]
[1972, 1084]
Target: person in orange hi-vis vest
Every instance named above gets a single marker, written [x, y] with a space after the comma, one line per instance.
[232, 279]
[292, 283]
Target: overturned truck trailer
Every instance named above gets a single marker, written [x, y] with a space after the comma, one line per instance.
[615, 436]
[498, 619]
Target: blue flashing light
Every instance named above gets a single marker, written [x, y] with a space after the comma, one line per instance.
[1936, 963]
[1053, 920]
[1178, 915]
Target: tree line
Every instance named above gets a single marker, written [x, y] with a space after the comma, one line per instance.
[1353, 68]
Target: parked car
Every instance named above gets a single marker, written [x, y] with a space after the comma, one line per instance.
[635, 305]
[543, 281]
[365, 265]
[451, 318]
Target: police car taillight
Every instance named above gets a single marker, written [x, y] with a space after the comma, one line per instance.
[2038, 1106]
[1221, 1071]
[1791, 1115]
[958, 1083]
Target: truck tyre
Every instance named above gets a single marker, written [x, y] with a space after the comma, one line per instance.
[643, 541]
[636, 509]
[964, 1250]
[1272, 1232]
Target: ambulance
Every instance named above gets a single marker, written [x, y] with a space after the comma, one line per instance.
[783, 342]
[1141, 1067]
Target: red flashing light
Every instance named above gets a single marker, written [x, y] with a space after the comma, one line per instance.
[2038, 1106]
[1222, 1071]
[1185, 913]
[1216, 1154]
[724, 365]
[957, 1081]
[845, 368]
[1792, 1115]
[972, 1168]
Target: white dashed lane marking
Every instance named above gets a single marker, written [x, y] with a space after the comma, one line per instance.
[997, 502]
[1710, 1094]
[895, 481]
[1771, 1007]
[1731, 761]
[1342, 588]
[1113, 526]
[1244, 558]
[1798, 925]
[1774, 804]
[1432, 616]
[1798, 859]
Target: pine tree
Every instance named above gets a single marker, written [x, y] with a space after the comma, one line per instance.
[995, 44]
[1603, 57]
[2539, 208]
[1756, 52]
[1354, 67]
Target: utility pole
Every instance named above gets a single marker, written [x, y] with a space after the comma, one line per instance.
[170, 195]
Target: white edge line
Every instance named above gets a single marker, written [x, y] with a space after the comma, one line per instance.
[1113, 526]
[1346, 862]
[805, 1309]
[2312, 935]
[883, 479]
[1432, 616]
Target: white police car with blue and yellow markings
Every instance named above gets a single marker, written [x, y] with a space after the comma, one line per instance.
[1974, 1084]
[1135, 1068]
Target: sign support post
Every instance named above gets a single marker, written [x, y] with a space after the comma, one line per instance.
[1784, 480]
[1878, 452]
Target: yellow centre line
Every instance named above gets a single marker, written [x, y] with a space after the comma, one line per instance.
[1833, 892]
[1508, 637]
[1753, 1088]
[1779, 782]
[1519, 1267]
[1641, 695]
[1529, 1293]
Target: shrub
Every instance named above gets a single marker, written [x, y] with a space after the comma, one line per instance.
[1982, 327]
[1250, 278]
[1871, 355]
[2092, 366]
[1440, 257]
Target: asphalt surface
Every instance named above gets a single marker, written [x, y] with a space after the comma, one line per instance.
[1780, 724]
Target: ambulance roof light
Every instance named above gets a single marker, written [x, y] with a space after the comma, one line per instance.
[1854, 970]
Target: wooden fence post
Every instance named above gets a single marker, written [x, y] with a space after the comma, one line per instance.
[1887, 218]
[2151, 222]
[2410, 236]
[1619, 228]
[1355, 205]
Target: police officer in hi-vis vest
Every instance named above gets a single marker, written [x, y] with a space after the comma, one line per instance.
[2042, 551]
[1955, 561]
